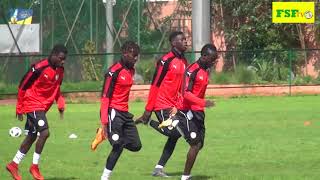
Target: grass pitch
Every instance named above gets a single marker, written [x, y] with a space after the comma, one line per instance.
[246, 138]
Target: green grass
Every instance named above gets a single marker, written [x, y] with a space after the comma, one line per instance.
[246, 138]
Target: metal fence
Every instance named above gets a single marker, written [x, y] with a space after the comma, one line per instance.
[77, 22]
[84, 27]
[85, 72]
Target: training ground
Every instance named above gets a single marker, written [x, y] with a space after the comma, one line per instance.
[247, 138]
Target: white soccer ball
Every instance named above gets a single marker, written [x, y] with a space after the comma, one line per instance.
[15, 132]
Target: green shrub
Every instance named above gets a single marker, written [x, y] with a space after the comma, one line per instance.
[221, 78]
[82, 86]
[146, 69]
[244, 75]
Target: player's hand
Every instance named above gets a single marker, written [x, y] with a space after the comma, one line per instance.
[61, 112]
[19, 117]
[144, 118]
[104, 127]
[209, 103]
[173, 111]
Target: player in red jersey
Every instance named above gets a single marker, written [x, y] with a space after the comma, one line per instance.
[117, 123]
[166, 92]
[190, 116]
[37, 91]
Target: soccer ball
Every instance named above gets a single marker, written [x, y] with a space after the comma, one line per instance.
[15, 132]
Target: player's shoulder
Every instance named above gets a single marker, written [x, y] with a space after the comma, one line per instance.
[115, 67]
[41, 64]
[193, 67]
[169, 56]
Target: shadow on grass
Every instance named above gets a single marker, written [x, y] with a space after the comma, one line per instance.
[196, 177]
[62, 178]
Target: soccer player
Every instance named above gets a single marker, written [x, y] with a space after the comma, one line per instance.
[165, 93]
[117, 122]
[191, 114]
[37, 91]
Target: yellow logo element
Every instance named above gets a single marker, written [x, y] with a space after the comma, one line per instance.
[293, 12]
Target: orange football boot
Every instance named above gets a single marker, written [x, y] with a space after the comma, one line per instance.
[100, 136]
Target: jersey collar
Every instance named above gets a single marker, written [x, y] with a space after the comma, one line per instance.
[124, 64]
[50, 64]
[202, 65]
[177, 53]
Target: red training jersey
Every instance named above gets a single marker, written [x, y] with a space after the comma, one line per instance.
[39, 87]
[195, 84]
[165, 91]
[116, 90]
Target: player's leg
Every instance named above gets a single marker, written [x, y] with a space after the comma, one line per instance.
[168, 147]
[194, 133]
[111, 161]
[12, 167]
[41, 124]
[163, 115]
[160, 116]
[132, 140]
[191, 158]
[114, 130]
[167, 151]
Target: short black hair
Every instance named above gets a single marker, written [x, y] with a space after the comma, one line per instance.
[59, 48]
[174, 34]
[130, 46]
[207, 48]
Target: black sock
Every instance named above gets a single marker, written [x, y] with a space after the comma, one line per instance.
[167, 151]
[113, 157]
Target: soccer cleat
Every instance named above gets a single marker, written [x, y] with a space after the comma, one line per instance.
[159, 172]
[12, 167]
[35, 172]
[100, 136]
[165, 123]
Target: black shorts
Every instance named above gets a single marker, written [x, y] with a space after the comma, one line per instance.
[169, 131]
[191, 126]
[162, 114]
[121, 129]
[36, 122]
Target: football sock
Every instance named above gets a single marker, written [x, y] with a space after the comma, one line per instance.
[106, 174]
[185, 177]
[159, 166]
[36, 158]
[18, 157]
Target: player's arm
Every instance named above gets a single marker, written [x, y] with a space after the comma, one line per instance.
[25, 83]
[19, 111]
[188, 90]
[106, 94]
[60, 103]
[194, 100]
[153, 93]
[154, 88]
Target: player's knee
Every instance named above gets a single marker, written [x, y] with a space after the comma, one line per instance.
[135, 147]
[117, 146]
[45, 134]
[32, 137]
[195, 144]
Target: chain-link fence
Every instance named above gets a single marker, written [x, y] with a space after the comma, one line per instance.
[86, 72]
[89, 29]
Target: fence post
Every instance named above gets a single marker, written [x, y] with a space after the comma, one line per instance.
[27, 64]
[290, 55]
